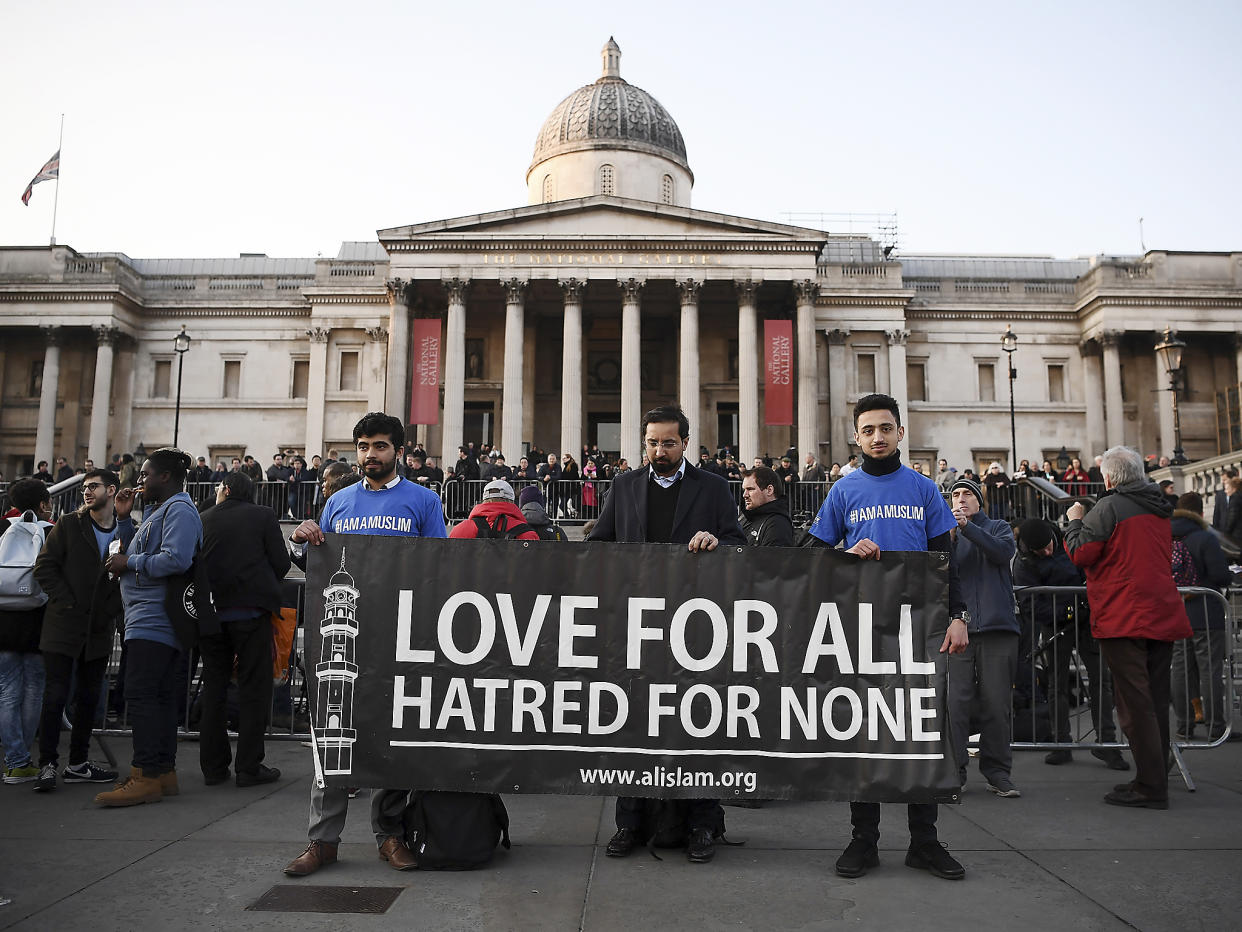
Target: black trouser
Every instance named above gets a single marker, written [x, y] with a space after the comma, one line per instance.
[250, 641]
[1141, 685]
[921, 817]
[704, 813]
[1062, 644]
[87, 684]
[150, 697]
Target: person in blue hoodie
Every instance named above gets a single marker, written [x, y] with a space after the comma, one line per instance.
[982, 674]
[163, 546]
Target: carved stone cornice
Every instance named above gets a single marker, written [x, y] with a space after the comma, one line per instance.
[897, 337]
[377, 334]
[806, 291]
[52, 336]
[106, 335]
[573, 289]
[318, 334]
[747, 289]
[689, 290]
[515, 290]
[456, 289]
[631, 290]
[837, 337]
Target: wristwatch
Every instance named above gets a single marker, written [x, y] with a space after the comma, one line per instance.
[963, 617]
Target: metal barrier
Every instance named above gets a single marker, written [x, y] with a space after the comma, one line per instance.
[1063, 698]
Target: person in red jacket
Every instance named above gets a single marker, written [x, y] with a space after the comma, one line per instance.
[1125, 546]
[499, 511]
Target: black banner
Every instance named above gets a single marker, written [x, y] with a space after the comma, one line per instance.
[631, 669]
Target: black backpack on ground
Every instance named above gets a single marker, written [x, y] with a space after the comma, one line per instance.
[501, 531]
[449, 831]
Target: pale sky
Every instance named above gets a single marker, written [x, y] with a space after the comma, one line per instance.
[212, 129]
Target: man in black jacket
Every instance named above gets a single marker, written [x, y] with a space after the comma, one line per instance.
[246, 559]
[83, 614]
[765, 517]
[671, 502]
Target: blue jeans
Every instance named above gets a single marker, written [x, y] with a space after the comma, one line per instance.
[21, 699]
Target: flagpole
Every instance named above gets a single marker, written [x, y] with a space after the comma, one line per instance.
[56, 197]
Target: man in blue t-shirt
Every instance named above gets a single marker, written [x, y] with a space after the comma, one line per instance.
[884, 505]
[386, 505]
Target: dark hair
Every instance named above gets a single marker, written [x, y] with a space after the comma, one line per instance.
[877, 402]
[127, 458]
[341, 479]
[334, 468]
[766, 476]
[666, 414]
[239, 485]
[42, 463]
[1191, 501]
[375, 423]
[107, 475]
[172, 461]
[28, 494]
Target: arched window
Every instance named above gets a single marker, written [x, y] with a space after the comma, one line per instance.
[666, 190]
[607, 180]
[547, 188]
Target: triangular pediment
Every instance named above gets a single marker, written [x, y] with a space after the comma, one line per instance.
[604, 217]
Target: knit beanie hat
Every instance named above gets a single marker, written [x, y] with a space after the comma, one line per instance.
[971, 485]
[1035, 533]
[530, 494]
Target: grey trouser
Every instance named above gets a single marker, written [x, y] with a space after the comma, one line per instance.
[1206, 651]
[329, 805]
[984, 670]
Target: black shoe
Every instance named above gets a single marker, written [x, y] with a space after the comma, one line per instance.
[859, 855]
[1124, 787]
[262, 774]
[1112, 759]
[215, 779]
[621, 844]
[934, 857]
[1134, 800]
[1056, 758]
[701, 847]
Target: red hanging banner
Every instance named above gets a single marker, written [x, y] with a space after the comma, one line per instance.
[778, 373]
[425, 374]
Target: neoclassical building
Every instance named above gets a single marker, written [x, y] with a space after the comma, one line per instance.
[558, 322]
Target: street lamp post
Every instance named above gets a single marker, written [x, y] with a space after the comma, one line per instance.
[1009, 343]
[1169, 349]
[181, 343]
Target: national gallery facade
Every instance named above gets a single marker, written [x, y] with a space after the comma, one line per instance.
[558, 323]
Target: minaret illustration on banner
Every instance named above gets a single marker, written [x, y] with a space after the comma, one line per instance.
[336, 672]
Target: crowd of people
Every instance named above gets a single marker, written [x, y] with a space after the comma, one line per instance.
[101, 569]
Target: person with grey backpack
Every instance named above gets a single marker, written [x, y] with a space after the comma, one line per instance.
[22, 604]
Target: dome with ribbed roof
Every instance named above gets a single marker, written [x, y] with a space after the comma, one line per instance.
[613, 115]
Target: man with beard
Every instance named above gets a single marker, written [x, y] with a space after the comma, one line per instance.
[387, 505]
[669, 501]
[765, 517]
[854, 513]
[84, 606]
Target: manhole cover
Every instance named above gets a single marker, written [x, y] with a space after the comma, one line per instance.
[296, 898]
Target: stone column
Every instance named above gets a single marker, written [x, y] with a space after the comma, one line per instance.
[1237, 354]
[631, 371]
[398, 370]
[842, 430]
[101, 398]
[376, 393]
[571, 369]
[316, 389]
[747, 372]
[454, 372]
[1093, 389]
[45, 435]
[808, 388]
[511, 398]
[688, 370]
[1113, 410]
[897, 387]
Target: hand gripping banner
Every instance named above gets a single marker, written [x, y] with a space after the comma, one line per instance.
[631, 669]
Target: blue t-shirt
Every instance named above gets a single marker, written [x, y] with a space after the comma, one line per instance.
[405, 510]
[900, 511]
[103, 538]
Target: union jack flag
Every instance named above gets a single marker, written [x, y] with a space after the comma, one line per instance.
[47, 173]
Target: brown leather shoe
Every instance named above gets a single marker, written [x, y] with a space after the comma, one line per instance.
[394, 851]
[132, 791]
[317, 854]
[168, 784]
